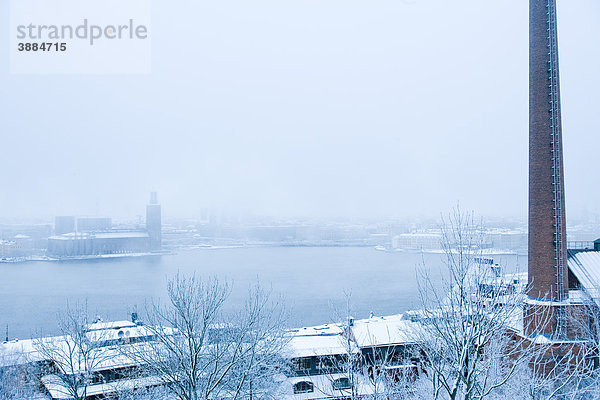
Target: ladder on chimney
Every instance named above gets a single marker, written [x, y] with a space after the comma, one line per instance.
[554, 93]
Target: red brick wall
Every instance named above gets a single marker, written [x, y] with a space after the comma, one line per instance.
[541, 319]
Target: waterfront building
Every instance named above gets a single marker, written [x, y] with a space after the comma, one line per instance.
[417, 241]
[19, 247]
[100, 243]
[21, 240]
[94, 236]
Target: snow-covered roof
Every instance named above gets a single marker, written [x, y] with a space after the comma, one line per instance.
[17, 352]
[384, 331]
[122, 332]
[99, 358]
[320, 345]
[108, 358]
[110, 325]
[586, 267]
[56, 389]
[327, 329]
[319, 340]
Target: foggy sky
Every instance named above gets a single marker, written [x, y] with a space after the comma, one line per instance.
[370, 108]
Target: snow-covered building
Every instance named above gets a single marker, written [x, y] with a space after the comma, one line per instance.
[56, 361]
[338, 361]
[319, 358]
[584, 271]
[331, 361]
[387, 344]
[417, 241]
[97, 243]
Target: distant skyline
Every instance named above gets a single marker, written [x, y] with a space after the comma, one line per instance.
[327, 109]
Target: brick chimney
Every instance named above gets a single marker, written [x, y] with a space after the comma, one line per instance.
[547, 227]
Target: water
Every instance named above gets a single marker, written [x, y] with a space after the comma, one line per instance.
[312, 280]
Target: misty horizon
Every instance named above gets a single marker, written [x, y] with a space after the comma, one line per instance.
[305, 111]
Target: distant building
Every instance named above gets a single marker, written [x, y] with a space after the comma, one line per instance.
[93, 224]
[417, 241]
[24, 240]
[77, 244]
[64, 224]
[35, 231]
[18, 246]
[153, 222]
[95, 236]
[507, 239]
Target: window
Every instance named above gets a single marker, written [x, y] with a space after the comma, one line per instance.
[301, 364]
[342, 383]
[326, 363]
[303, 387]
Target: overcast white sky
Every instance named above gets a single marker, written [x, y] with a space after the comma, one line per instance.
[370, 108]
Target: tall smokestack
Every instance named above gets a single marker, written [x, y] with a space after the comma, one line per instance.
[154, 222]
[547, 227]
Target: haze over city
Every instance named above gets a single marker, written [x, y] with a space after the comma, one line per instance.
[296, 200]
[304, 109]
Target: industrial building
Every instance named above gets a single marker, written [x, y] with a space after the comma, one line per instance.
[95, 236]
[91, 244]
[21, 241]
[417, 241]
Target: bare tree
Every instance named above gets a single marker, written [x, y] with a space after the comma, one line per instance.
[582, 380]
[259, 328]
[200, 353]
[386, 380]
[157, 393]
[17, 374]
[75, 354]
[343, 370]
[471, 328]
[375, 373]
[389, 359]
[535, 381]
